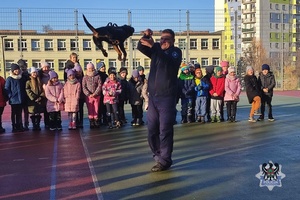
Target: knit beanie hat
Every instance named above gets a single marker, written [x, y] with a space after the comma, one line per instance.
[70, 72]
[224, 63]
[123, 69]
[44, 64]
[231, 69]
[218, 69]
[112, 70]
[184, 66]
[90, 66]
[249, 68]
[32, 70]
[100, 65]
[52, 74]
[135, 74]
[140, 68]
[77, 67]
[265, 67]
[197, 65]
[14, 66]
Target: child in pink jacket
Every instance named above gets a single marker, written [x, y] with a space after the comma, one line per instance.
[111, 90]
[91, 86]
[54, 92]
[232, 92]
[72, 90]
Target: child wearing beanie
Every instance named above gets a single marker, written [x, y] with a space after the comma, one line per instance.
[91, 86]
[54, 92]
[36, 98]
[267, 81]
[232, 92]
[135, 86]
[14, 88]
[217, 94]
[123, 96]
[253, 89]
[111, 89]
[72, 91]
[187, 94]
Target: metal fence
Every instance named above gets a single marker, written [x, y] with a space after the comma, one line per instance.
[181, 21]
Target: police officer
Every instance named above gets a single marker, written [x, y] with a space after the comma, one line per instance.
[162, 88]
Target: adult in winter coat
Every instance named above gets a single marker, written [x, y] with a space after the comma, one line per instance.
[267, 82]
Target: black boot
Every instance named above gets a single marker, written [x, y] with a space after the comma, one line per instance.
[92, 123]
[26, 126]
[2, 130]
[97, 123]
[36, 122]
[183, 119]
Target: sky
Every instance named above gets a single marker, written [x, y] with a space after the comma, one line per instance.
[117, 4]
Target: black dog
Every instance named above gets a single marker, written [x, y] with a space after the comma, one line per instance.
[112, 34]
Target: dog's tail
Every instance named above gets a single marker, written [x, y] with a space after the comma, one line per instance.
[95, 33]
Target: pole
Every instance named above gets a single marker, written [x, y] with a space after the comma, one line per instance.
[3, 56]
[235, 38]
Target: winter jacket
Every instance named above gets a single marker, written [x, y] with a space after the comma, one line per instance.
[55, 95]
[91, 85]
[3, 95]
[187, 85]
[164, 67]
[267, 81]
[124, 93]
[252, 87]
[217, 86]
[72, 91]
[36, 99]
[15, 89]
[135, 92]
[202, 89]
[232, 88]
[111, 91]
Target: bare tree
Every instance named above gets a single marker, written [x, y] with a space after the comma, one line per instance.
[255, 55]
[47, 28]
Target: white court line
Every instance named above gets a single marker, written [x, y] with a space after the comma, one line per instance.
[92, 170]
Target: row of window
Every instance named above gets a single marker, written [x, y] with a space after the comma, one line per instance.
[87, 44]
[111, 63]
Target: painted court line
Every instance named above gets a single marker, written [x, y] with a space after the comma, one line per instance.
[92, 170]
[53, 173]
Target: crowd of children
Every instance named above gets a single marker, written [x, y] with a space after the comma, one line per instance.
[105, 94]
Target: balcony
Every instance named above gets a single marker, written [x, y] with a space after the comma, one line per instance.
[248, 30]
[248, 10]
[248, 21]
[248, 39]
[248, 1]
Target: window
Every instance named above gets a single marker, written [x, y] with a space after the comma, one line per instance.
[181, 44]
[147, 62]
[23, 44]
[225, 47]
[283, 7]
[74, 44]
[215, 61]
[9, 45]
[48, 45]
[216, 43]
[276, 26]
[35, 45]
[277, 35]
[8, 64]
[276, 45]
[85, 62]
[51, 63]
[193, 60]
[276, 7]
[36, 63]
[283, 26]
[204, 43]
[87, 45]
[136, 63]
[270, 6]
[61, 64]
[193, 44]
[271, 25]
[112, 63]
[204, 61]
[61, 45]
[231, 46]
[135, 43]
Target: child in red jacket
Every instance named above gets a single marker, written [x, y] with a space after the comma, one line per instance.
[217, 94]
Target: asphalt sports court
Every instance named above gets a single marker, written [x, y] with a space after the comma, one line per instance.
[216, 161]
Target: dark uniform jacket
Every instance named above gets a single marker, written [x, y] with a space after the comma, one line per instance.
[163, 69]
[252, 87]
[267, 81]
